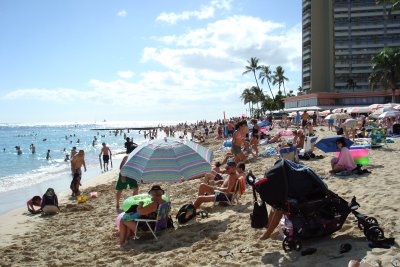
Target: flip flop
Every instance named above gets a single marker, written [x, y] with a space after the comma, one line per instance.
[344, 248]
[308, 251]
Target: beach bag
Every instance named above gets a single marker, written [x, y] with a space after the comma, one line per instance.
[259, 217]
[186, 213]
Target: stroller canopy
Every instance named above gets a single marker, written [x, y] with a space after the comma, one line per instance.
[288, 180]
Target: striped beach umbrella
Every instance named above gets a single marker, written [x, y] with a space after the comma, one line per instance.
[167, 160]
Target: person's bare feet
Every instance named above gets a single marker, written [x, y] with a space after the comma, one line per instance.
[264, 236]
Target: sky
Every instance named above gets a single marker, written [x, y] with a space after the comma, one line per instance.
[94, 60]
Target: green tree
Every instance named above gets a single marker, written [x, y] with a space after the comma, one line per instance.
[279, 78]
[386, 70]
[258, 95]
[252, 67]
[248, 98]
[265, 74]
[300, 89]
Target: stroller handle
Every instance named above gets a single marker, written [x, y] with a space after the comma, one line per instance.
[250, 178]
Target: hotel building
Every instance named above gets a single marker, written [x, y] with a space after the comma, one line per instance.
[339, 39]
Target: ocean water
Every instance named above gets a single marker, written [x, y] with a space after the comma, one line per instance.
[25, 175]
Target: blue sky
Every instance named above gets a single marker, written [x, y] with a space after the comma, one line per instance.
[85, 61]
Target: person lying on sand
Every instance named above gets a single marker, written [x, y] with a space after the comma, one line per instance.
[276, 138]
[127, 224]
[208, 193]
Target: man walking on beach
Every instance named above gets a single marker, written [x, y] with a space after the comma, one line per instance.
[106, 156]
[76, 164]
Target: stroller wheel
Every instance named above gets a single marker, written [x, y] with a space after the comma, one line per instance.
[374, 233]
[369, 221]
[372, 220]
[306, 157]
[290, 243]
[312, 155]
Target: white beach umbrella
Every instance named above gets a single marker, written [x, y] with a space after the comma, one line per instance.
[387, 114]
[338, 116]
[359, 110]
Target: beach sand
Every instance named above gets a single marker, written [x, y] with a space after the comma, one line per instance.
[84, 234]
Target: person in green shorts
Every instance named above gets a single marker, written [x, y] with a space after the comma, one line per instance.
[123, 183]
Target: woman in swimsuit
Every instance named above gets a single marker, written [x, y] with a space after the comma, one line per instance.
[238, 140]
[127, 225]
[255, 135]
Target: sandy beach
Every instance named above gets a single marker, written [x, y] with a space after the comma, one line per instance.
[84, 234]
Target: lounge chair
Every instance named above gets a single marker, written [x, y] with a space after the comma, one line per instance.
[235, 196]
[160, 222]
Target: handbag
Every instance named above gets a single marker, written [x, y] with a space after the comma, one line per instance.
[259, 217]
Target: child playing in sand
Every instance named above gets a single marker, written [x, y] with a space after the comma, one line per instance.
[35, 201]
[76, 182]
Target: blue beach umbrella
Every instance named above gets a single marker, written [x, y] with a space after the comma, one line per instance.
[167, 160]
[328, 144]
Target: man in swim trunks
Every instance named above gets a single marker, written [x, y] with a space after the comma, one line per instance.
[123, 183]
[304, 118]
[76, 164]
[105, 150]
[209, 193]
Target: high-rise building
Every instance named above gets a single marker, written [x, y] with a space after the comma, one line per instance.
[339, 39]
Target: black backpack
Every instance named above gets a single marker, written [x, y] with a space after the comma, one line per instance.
[186, 213]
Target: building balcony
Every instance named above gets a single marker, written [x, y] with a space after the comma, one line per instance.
[306, 39]
[366, 14]
[306, 51]
[307, 56]
[306, 21]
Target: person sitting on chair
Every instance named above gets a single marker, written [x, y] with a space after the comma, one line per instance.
[209, 193]
[345, 161]
[127, 224]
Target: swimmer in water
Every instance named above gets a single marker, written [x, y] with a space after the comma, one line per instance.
[32, 148]
[48, 155]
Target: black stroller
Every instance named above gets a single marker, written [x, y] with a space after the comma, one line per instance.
[311, 208]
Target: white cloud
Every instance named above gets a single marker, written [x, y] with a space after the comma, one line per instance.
[225, 44]
[202, 75]
[122, 13]
[125, 74]
[205, 12]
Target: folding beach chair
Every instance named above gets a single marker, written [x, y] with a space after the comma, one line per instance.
[240, 186]
[160, 222]
[289, 153]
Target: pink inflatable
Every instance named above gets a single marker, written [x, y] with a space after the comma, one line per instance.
[118, 220]
[263, 130]
[286, 133]
[357, 153]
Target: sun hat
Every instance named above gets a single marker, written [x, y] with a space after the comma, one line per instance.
[156, 188]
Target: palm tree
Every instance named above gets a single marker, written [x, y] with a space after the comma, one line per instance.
[300, 89]
[248, 98]
[258, 95]
[279, 78]
[265, 74]
[252, 67]
[386, 70]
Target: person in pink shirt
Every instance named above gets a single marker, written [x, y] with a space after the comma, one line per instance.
[35, 201]
[345, 161]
